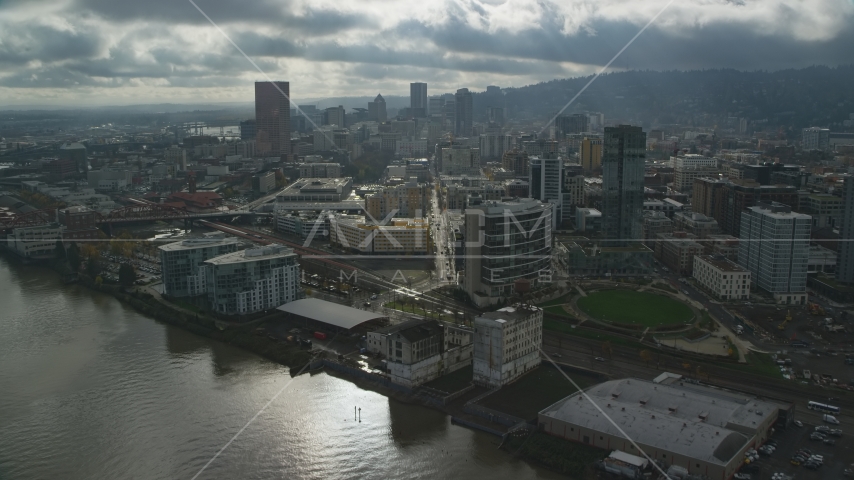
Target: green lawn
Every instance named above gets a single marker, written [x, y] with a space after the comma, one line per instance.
[535, 391]
[557, 301]
[557, 310]
[641, 308]
[452, 382]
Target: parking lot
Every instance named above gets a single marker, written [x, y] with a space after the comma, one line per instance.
[836, 458]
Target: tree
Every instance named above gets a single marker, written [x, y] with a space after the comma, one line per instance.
[73, 256]
[646, 356]
[127, 275]
[60, 250]
[93, 267]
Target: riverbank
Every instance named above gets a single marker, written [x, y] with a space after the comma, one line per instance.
[291, 356]
[286, 354]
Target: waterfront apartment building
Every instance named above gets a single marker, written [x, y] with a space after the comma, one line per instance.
[506, 241]
[180, 263]
[272, 118]
[774, 246]
[252, 280]
[399, 236]
[36, 242]
[506, 344]
[623, 161]
[723, 278]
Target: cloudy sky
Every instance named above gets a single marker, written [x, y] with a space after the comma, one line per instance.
[114, 52]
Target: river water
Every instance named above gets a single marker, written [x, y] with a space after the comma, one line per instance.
[89, 388]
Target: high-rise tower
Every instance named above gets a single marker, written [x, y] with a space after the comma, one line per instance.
[623, 160]
[418, 99]
[464, 113]
[272, 118]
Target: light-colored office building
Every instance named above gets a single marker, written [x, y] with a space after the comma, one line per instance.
[684, 177]
[407, 200]
[591, 154]
[36, 242]
[723, 278]
[320, 170]
[774, 246]
[507, 344]
[252, 280]
[459, 160]
[316, 190]
[816, 138]
[398, 236]
[180, 262]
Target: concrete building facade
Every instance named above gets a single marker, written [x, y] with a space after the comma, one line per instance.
[506, 344]
[723, 278]
[774, 246]
[252, 280]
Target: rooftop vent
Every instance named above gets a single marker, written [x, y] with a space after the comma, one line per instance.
[653, 416]
[623, 409]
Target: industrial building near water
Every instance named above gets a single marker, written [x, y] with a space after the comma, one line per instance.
[704, 430]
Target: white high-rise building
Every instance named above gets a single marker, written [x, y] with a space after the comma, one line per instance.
[774, 246]
[815, 138]
[252, 280]
[506, 344]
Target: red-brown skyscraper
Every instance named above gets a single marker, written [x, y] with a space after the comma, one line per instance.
[272, 118]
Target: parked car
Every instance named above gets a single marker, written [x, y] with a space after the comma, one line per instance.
[599, 359]
[742, 476]
[799, 423]
[829, 441]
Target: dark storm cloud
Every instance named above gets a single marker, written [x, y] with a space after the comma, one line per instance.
[711, 46]
[276, 13]
[20, 44]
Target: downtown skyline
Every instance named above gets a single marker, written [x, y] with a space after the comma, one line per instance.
[94, 53]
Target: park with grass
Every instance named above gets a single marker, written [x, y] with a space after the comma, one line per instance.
[635, 308]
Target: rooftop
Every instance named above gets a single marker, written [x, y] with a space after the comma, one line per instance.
[252, 255]
[209, 240]
[722, 263]
[689, 420]
[333, 314]
[510, 314]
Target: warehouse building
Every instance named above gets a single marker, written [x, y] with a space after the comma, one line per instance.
[704, 430]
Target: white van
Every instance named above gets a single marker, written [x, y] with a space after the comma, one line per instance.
[831, 419]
